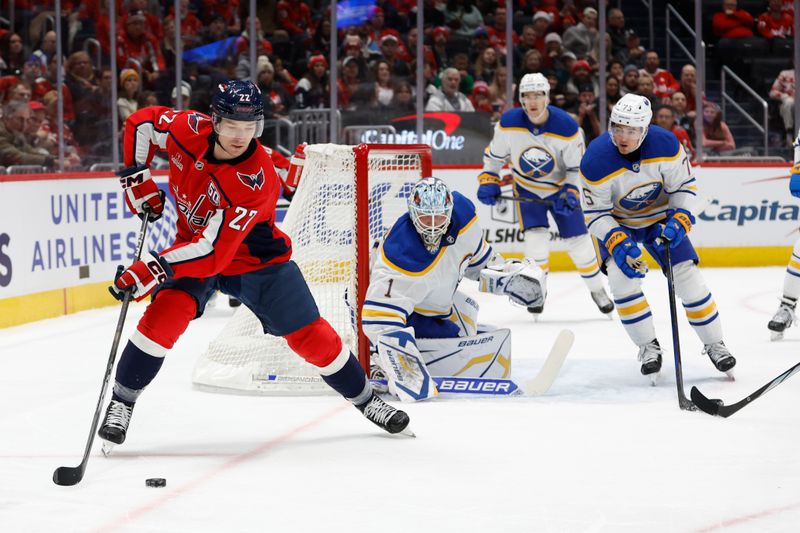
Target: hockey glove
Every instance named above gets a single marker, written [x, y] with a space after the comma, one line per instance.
[626, 253]
[567, 200]
[142, 277]
[489, 188]
[794, 181]
[139, 189]
[678, 225]
[521, 281]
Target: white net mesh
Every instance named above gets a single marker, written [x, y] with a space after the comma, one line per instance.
[321, 222]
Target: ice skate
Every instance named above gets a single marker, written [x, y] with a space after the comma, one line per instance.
[650, 356]
[603, 302]
[385, 416]
[783, 318]
[115, 425]
[721, 357]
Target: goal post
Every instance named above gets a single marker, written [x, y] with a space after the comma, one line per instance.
[347, 199]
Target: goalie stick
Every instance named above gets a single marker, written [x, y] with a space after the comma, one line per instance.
[718, 408]
[72, 475]
[536, 386]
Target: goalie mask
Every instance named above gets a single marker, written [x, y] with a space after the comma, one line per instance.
[534, 95]
[430, 206]
[630, 118]
[239, 101]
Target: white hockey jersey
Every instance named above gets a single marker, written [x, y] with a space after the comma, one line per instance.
[618, 192]
[406, 278]
[542, 158]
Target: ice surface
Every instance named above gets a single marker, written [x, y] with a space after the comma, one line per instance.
[603, 451]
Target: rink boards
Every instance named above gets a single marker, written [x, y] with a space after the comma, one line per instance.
[62, 236]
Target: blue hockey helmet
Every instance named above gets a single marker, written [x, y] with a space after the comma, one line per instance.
[238, 100]
[430, 206]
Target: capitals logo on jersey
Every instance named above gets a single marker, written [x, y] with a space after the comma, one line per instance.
[254, 181]
[536, 162]
[194, 122]
[641, 197]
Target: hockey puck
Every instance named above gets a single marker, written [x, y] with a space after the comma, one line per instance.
[156, 482]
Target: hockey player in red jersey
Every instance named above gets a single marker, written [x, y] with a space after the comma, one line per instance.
[225, 188]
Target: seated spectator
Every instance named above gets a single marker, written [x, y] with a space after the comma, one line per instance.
[687, 87]
[186, 96]
[46, 51]
[312, 89]
[541, 27]
[403, 100]
[129, 87]
[460, 62]
[732, 22]
[135, 42]
[630, 80]
[294, 17]
[20, 91]
[41, 136]
[717, 136]
[389, 49]
[734, 27]
[497, 91]
[383, 88]
[664, 82]
[284, 77]
[146, 99]
[15, 148]
[448, 97]
[615, 69]
[775, 23]
[783, 91]
[497, 31]
[485, 65]
[377, 30]
[190, 25]
[647, 89]
[665, 117]
[586, 112]
[616, 30]
[463, 18]
[529, 40]
[552, 51]
[634, 52]
[683, 117]
[480, 41]
[613, 93]
[480, 97]
[276, 101]
[216, 30]
[440, 35]
[13, 54]
[581, 39]
[531, 62]
[581, 76]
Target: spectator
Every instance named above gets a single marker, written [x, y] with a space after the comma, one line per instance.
[312, 89]
[682, 117]
[129, 86]
[146, 99]
[630, 80]
[463, 18]
[135, 42]
[581, 39]
[717, 136]
[732, 22]
[46, 51]
[687, 87]
[284, 77]
[294, 17]
[276, 101]
[480, 97]
[440, 35]
[354, 47]
[634, 52]
[616, 30]
[377, 30]
[448, 97]
[581, 76]
[216, 30]
[532, 62]
[486, 65]
[613, 93]
[461, 63]
[530, 40]
[403, 99]
[480, 41]
[12, 51]
[40, 135]
[664, 82]
[497, 31]
[497, 91]
[348, 83]
[615, 69]
[21, 92]
[665, 117]
[383, 88]
[775, 23]
[541, 27]
[586, 114]
[551, 8]
[15, 149]
[186, 96]
[389, 49]
[553, 51]
[647, 89]
[783, 91]
[263, 49]
[153, 22]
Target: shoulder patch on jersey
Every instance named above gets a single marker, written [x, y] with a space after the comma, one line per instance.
[659, 143]
[601, 160]
[514, 118]
[193, 120]
[560, 123]
[253, 181]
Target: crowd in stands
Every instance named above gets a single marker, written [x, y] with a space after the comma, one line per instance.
[464, 64]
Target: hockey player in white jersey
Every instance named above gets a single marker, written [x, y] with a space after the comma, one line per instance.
[784, 316]
[413, 296]
[543, 146]
[639, 189]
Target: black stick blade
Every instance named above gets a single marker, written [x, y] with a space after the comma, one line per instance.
[706, 405]
[67, 476]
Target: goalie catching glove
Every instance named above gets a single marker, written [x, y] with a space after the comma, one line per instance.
[521, 281]
[142, 277]
[140, 189]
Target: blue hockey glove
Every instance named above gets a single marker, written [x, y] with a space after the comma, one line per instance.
[626, 253]
[489, 188]
[567, 201]
[794, 181]
[678, 225]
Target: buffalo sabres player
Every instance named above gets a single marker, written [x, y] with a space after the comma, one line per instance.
[543, 146]
[785, 316]
[413, 304]
[226, 189]
[639, 189]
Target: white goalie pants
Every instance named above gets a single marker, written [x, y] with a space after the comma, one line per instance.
[637, 318]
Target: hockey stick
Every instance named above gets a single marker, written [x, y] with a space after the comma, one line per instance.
[718, 408]
[71, 475]
[526, 200]
[683, 402]
[541, 383]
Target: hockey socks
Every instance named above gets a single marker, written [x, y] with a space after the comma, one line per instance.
[350, 381]
[135, 371]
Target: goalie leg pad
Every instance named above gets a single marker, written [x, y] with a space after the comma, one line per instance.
[405, 369]
[465, 314]
[487, 355]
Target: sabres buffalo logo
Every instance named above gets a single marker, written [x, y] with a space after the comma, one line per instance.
[642, 196]
[254, 181]
[536, 162]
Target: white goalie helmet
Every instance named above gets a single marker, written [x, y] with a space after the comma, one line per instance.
[631, 111]
[430, 206]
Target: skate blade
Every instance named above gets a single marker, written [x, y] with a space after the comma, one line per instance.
[407, 433]
[776, 335]
[654, 378]
[730, 374]
[107, 448]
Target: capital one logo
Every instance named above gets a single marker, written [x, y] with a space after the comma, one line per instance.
[5, 261]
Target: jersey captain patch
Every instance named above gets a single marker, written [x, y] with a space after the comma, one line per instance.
[536, 162]
[641, 197]
[254, 181]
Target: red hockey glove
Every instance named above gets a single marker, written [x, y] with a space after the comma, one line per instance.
[142, 277]
[139, 189]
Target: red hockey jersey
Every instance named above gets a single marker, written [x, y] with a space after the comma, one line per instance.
[227, 208]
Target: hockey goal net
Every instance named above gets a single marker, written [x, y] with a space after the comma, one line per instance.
[348, 197]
